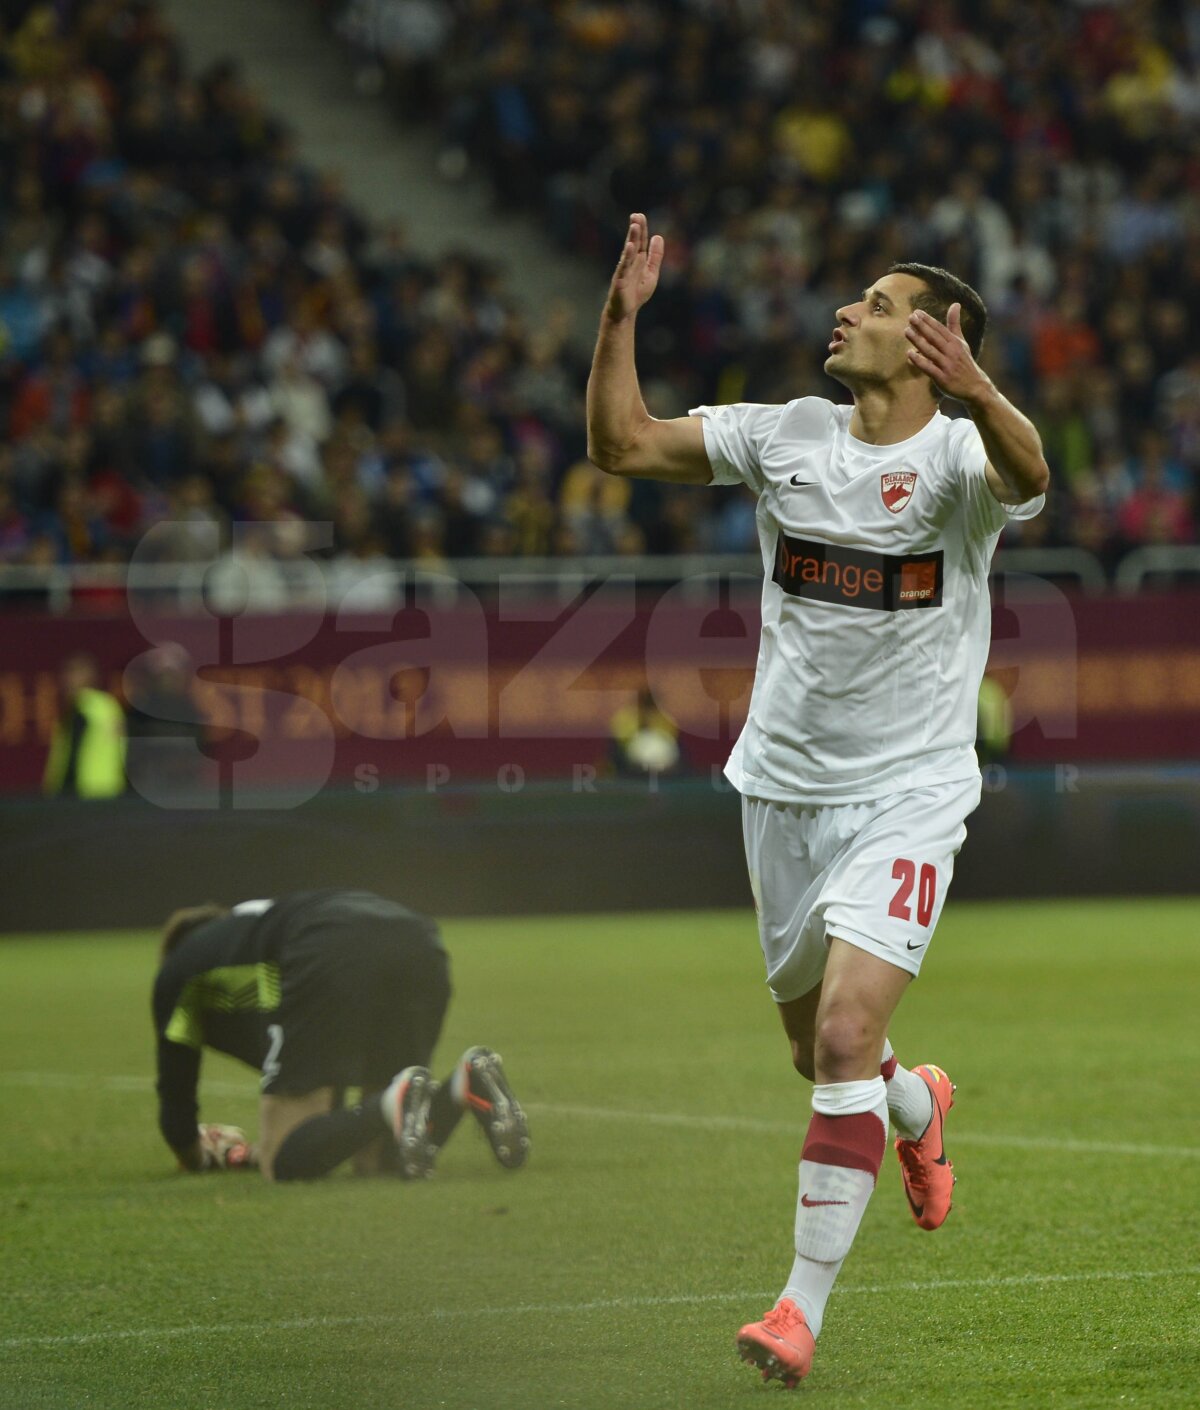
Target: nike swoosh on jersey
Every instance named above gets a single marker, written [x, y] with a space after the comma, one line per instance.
[919, 945]
[801, 484]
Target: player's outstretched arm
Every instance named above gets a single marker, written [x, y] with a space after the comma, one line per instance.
[1016, 468]
[623, 438]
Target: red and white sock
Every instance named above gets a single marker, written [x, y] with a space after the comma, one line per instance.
[910, 1102]
[838, 1167]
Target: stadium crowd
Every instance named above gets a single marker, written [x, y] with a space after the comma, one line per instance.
[1047, 152]
[196, 327]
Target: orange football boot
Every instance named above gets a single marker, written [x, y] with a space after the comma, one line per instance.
[928, 1174]
[781, 1346]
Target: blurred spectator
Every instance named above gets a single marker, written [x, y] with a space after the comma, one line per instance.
[14, 526]
[994, 722]
[371, 394]
[643, 742]
[528, 510]
[164, 724]
[1154, 512]
[87, 751]
[1063, 340]
[228, 399]
[54, 394]
[299, 400]
[594, 507]
[1066, 435]
[248, 577]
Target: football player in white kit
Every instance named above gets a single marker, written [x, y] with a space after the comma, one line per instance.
[856, 765]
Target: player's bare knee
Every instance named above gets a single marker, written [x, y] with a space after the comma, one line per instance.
[845, 1047]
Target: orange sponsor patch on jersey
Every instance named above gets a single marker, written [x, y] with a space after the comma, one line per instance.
[918, 581]
[886, 582]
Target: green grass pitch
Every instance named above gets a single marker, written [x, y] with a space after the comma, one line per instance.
[655, 1214]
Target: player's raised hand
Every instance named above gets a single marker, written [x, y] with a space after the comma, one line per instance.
[941, 352]
[636, 276]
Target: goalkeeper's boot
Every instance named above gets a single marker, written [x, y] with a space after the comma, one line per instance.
[406, 1107]
[928, 1174]
[781, 1345]
[483, 1088]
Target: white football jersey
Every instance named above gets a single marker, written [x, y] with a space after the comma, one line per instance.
[876, 617]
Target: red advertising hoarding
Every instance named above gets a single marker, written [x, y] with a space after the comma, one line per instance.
[434, 695]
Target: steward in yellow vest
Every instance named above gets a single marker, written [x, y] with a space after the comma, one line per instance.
[87, 752]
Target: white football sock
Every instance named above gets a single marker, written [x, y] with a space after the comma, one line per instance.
[909, 1100]
[838, 1166]
[387, 1102]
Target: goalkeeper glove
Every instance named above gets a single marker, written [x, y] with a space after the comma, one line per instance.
[225, 1148]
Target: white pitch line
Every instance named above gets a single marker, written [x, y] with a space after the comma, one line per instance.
[701, 1121]
[564, 1309]
[755, 1126]
[82, 1081]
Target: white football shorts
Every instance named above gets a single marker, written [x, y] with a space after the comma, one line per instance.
[873, 874]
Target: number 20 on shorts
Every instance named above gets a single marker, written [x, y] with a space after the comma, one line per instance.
[905, 872]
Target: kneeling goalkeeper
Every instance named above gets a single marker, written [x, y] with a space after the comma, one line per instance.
[320, 991]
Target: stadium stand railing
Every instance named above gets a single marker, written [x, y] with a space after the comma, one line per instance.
[1144, 565]
[310, 583]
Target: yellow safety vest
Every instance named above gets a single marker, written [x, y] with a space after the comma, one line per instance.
[100, 767]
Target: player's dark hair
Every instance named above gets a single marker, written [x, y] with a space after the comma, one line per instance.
[180, 924]
[944, 289]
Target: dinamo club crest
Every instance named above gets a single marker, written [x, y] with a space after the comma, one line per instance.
[897, 488]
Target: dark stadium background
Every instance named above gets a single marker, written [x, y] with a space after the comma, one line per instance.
[312, 438]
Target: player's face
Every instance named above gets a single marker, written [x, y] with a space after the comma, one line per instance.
[868, 345]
